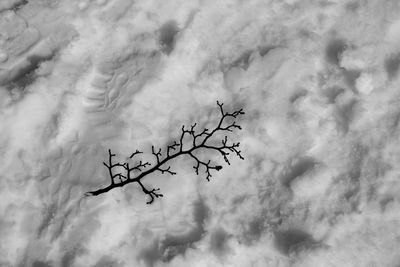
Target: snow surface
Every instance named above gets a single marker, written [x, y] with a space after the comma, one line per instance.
[318, 80]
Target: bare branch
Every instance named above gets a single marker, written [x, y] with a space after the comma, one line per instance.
[152, 193]
[207, 166]
[135, 153]
[172, 147]
[168, 170]
[157, 154]
[139, 166]
[198, 141]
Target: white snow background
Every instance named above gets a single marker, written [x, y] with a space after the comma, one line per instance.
[318, 80]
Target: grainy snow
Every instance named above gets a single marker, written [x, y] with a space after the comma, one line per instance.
[318, 79]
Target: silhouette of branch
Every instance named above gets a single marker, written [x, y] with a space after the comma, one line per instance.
[198, 141]
[135, 153]
[152, 193]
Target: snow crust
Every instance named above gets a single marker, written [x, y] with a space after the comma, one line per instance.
[318, 80]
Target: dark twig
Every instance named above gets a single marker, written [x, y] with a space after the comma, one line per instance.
[197, 142]
[135, 153]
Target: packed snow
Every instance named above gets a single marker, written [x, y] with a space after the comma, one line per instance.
[318, 80]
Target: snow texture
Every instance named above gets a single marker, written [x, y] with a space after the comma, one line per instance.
[318, 80]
